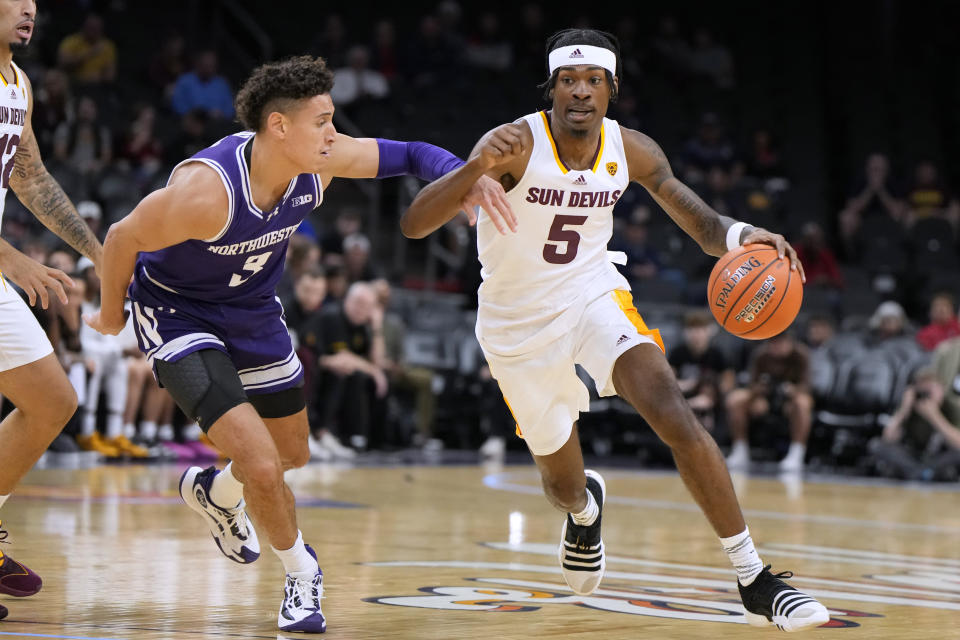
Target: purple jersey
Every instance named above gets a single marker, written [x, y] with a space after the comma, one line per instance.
[244, 262]
[219, 293]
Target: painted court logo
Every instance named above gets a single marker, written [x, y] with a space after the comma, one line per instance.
[519, 585]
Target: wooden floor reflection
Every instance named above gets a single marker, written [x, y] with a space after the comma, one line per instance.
[468, 552]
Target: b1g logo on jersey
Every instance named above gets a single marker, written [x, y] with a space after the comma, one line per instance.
[300, 200]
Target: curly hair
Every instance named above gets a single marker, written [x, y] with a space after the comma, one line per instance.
[278, 85]
[582, 36]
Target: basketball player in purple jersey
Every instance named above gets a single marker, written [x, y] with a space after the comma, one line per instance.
[205, 253]
[30, 374]
[551, 299]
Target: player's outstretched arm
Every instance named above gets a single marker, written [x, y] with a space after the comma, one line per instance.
[441, 200]
[716, 234]
[44, 197]
[194, 206]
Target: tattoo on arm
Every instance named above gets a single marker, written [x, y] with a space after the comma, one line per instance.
[44, 197]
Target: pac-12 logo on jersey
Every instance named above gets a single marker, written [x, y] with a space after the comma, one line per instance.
[299, 200]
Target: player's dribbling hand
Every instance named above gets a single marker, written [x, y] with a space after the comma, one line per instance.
[761, 236]
[500, 145]
[35, 278]
[107, 325]
[489, 194]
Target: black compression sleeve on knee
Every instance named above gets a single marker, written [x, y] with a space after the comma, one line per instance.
[279, 404]
[204, 384]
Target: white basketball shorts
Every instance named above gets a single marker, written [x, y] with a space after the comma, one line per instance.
[22, 341]
[542, 388]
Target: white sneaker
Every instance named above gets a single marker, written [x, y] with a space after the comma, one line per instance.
[739, 457]
[581, 552]
[494, 447]
[791, 463]
[318, 452]
[230, 528]
[300, 609]
[329, 442]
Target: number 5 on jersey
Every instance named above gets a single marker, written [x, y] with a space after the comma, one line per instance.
[254, 265]
[568, 237]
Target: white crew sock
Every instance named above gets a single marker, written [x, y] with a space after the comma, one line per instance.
[297, 561]
[165, 433]
[129, 430]
[589, 514]
[114, 426]
[191, 432]
[797, 451]
[148, 430]
[225, 490]
[89, 424]
[3, 499]
[743, 556]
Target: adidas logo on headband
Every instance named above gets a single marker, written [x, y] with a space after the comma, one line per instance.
[583, 54]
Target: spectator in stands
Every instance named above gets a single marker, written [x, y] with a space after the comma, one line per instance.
[918, 441]
[62, 260]
[384, 56]
[431, 58]
[84, 144]
[88, 56]
[92, 214]
[719, 193]
[348, 222]
[488, 48]
[353, 384]
[643, 258]
[710, 148]
[331, 43]
[141, 148]
[703, 373]
[946, 362]
[168, 64]
[528, 37]
[874, 196]
[927, 196]
[711, 60]
[820, 330]
[357, 82]
[764, 161]
[303, 307]
[53, 106]
[204, 89]
[670, 47]
[303, 255]
[943, 322]
[337, 283]
[193, 136]
[356, 258]
[403, 377]
[779, 385]
[888, 322]
[819, 263]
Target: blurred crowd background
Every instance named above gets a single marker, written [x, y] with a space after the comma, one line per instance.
[836, 125]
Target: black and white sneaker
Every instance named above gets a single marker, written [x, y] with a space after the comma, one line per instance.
[230, 528]
[771, 601]
[581, 547]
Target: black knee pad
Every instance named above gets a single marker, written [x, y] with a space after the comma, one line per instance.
[279, 404]
[205, 384]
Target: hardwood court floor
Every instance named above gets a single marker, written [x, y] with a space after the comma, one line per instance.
[464, 552]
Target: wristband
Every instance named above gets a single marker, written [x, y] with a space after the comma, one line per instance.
[733, 235]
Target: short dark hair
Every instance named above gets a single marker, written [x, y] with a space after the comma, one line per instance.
[591, 37]
[278, 84]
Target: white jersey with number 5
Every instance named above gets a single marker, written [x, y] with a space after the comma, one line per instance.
[537, 281]
[13, 115]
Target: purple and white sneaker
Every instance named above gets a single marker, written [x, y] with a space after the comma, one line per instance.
[300, 609]
[230, 528]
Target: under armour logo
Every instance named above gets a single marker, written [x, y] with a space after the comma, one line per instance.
[575, 54]
[580, 180]
[622, 340]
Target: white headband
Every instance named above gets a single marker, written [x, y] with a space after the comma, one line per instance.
[583, 54]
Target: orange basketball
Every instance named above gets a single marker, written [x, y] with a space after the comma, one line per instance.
[753, 293]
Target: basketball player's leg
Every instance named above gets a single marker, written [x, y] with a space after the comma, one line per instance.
[799, 412]
[643, 377]
[45, 401]
[285, 415]
[562, 475]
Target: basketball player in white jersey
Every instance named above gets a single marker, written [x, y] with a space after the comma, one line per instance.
[30, 375]
[551, 298]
